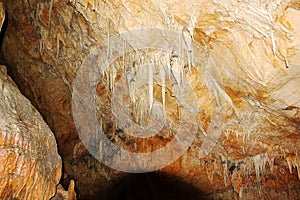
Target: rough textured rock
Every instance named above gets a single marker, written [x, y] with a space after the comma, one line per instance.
[61, 194]
[248, 73]
[2, 14]
[30, 164]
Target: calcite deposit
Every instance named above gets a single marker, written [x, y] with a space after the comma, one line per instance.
[226, 71]
[30, 167]
[30, 164]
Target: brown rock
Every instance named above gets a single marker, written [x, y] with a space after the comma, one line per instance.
[61, 194]
[30, 165]
[245, 85]
[2, 15]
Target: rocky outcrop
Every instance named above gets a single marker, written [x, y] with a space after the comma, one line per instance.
[30, 165]
[61, 194]
[242, 91]
[2, 14]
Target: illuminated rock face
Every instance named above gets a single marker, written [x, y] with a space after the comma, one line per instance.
[30, 164]
[243, 89]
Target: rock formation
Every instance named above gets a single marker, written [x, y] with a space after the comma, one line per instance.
[230, 75]
[61, 194]
[30, 164]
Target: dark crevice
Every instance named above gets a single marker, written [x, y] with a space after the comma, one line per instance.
[150, 186]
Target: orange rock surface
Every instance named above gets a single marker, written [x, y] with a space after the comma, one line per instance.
[241, 96]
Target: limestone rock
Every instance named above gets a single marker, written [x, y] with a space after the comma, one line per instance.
[243, 89]
[61, 194]
[30, 165]
[2, 14]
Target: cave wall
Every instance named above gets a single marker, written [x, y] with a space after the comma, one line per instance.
[30, 165]
[250, 49]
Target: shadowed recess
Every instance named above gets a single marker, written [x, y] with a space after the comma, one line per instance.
[150, 186]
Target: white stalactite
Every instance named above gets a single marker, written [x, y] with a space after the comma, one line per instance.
[163, 84]
[150, 84]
